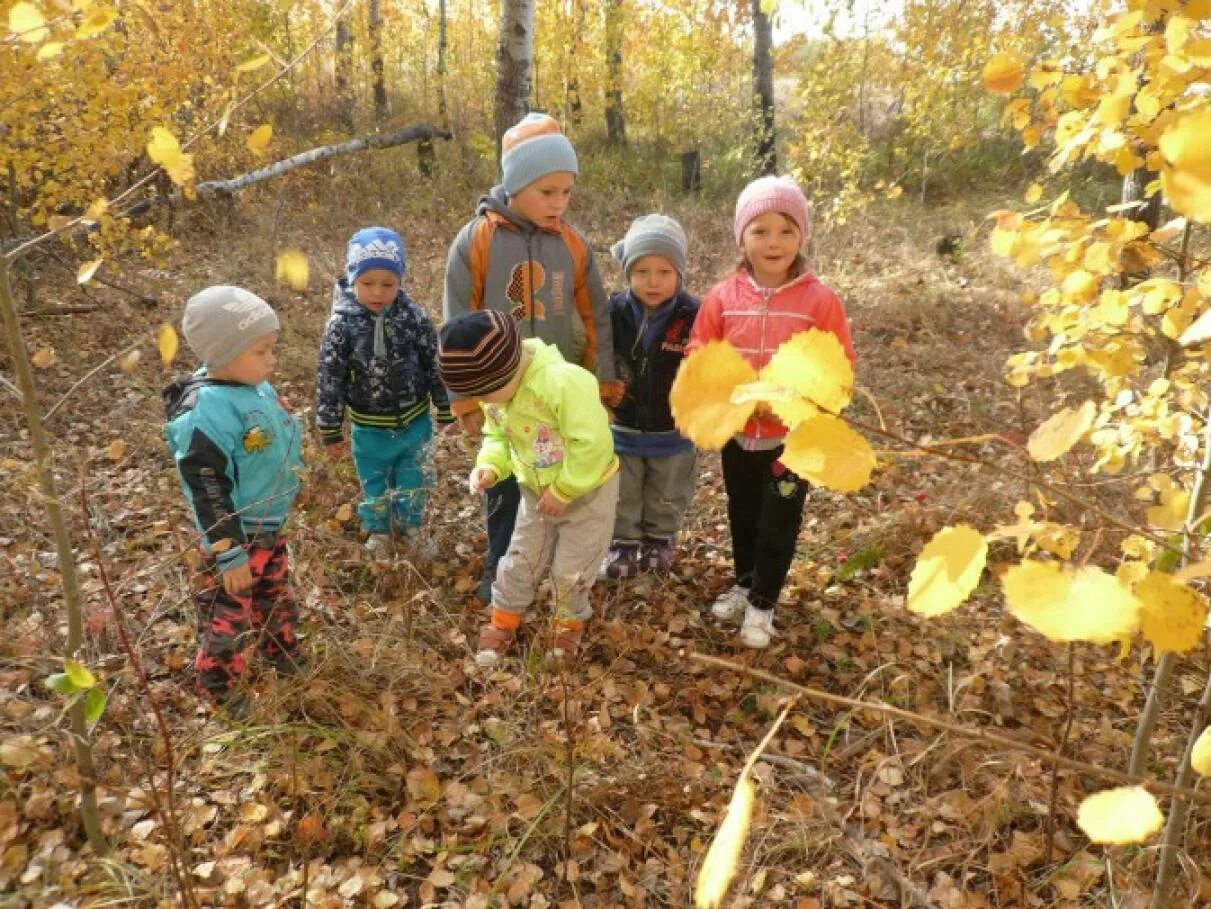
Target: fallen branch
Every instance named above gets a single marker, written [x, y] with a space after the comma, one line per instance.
[1177, 792]
[416, 132]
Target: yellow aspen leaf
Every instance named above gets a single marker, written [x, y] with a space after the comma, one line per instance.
[1004, 73]
[130, 361]
[259, 139]
[947, 571]
[1033, 193]
[96, 20]
[1159, 295]
[1120, 816]
[701, 397]
[163, 148]
[167, 342]
[1200, 757]
[86, 271]
[719, 865]
[252, 63]
[1080, 284]
[292, 268]
[26, 23]
[96, 210]
[43, 358]
[1100, 259]
[1177, 33]
[81, 676]
[1065, 605]
[827, 452]
[1003, 241]
[1170, 512]
[49, 51]
[1046, 74]
[1186, 171]
[1061, 431]
[813, 365]
[115, 450]
[1172, 615]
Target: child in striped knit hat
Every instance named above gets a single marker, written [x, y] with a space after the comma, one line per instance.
[544, 427]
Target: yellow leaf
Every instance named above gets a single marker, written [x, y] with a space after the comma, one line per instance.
[167, 342]
[1170, 513]
[1064, 605]
[43, 358]
[163, 148]
[1200, 757]
[1033, 193]
[827, 452]
[719, 865]
[1128, 814]
[291, 268]
[87, 270]
[96, 20]
[1004, 73]
[130, 361]
[1186, 169]
[701, 397]
[115, 450]
[252, 63]
[96, 210]
[947, 571]
[49, 51]
[1061, 432]
[258, 141]
[895, 192]
[1172, 615]
[81, 676]
[344, 514]
[813, 365]
[25, 22]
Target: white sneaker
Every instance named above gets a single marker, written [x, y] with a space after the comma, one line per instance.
[731, 604]
[758, 628]
[421, 544]
[378, 546]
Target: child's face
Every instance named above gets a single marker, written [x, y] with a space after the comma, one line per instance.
[546, 199]
[376, 288]
[771, 244]
[253, 366]
[653, 280]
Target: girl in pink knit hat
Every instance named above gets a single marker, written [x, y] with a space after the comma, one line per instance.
[770, 297]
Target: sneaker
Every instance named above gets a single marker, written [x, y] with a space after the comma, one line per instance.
[730, 606]
[621, 561]
[758, 628]
[493, 642]
[421, 544]
[656, 556]
[378, 546]
[565, 642]
[483, 590]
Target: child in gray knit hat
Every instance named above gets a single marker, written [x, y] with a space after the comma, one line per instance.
[237, 452]
[651, 320]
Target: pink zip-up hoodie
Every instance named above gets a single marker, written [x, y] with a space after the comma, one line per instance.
[756, 320]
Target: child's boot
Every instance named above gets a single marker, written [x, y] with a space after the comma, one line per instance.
[566, 640]
[621, 561]
[730, 605]
[495, 638]
[758, 628]
[656, 556]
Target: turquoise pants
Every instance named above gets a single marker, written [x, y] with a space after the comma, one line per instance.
[394, 467]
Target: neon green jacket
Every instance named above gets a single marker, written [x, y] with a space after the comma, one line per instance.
[554, 433]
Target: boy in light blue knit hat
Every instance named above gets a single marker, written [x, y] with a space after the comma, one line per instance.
[518, 255]
[378, 361]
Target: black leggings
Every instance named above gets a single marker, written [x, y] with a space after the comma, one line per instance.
[765, 511]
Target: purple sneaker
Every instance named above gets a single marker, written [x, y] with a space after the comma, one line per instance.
[657, 556]
[621, 561]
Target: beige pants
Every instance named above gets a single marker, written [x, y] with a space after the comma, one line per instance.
[571, 546]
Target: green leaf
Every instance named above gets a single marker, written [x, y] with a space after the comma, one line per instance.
[61, 683]
[94, 705]
[79, 675]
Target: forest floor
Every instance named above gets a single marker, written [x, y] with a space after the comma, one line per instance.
[396, 774]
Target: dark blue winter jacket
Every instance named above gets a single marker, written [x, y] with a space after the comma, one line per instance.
[387, 388]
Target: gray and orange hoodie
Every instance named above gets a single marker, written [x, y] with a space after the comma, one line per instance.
[547, 279]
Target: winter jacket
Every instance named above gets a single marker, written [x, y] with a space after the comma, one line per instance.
[548, 279]
[554, 433]
[238, 453]
[648, 349]
[389, 389]
[757, 320]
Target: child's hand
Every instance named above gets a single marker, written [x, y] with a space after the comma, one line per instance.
[337, 450]
[482, 478]
[550, 505]
[472, 422]
[238, 581]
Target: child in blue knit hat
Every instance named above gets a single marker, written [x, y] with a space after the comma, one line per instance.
[378, 361]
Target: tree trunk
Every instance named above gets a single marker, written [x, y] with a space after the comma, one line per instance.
[616, 124]
[342, 72]
[765, 158]
[375, 15]
[575, 110]
[442, 46]
[514, 64]
[43, 458]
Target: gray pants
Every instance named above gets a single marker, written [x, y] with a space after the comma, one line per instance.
[654, 494]
[572, 546]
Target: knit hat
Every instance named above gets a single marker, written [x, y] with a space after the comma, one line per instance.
[652, 235]
[479, 352]
[766, 194]
[374, 247]
[532, 149]
[222, 322]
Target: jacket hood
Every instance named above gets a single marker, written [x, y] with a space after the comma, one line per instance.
[542, 354]
[496, 201]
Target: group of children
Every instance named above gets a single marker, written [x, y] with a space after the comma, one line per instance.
[581, 467]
